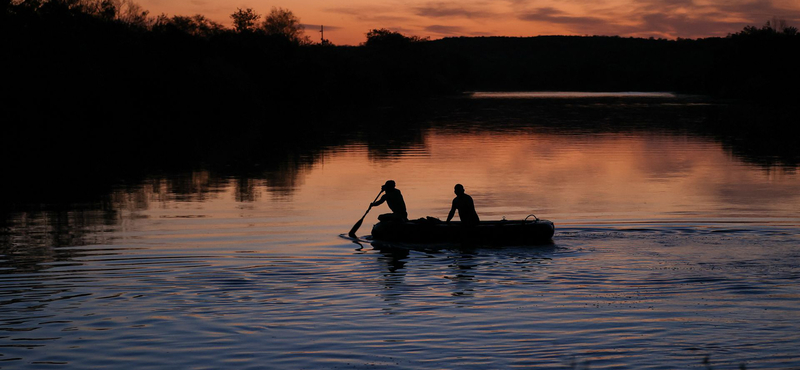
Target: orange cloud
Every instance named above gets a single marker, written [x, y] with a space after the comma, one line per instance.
[349, 20]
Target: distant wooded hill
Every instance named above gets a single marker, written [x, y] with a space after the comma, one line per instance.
[754, 65]
[93, 59]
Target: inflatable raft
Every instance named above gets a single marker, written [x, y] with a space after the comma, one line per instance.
[431, 230]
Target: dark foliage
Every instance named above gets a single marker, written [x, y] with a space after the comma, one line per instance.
[109, 95]
[389, 40]
[754, 66]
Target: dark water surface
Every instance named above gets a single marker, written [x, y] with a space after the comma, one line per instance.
[671, 247]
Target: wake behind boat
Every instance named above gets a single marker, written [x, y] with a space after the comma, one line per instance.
[432, 230]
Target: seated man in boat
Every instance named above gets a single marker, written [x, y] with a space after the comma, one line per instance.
[394, 199]
[465, 206]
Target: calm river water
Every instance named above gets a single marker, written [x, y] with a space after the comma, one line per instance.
[672, 249]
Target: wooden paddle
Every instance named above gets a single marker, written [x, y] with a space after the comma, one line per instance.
[352, 232]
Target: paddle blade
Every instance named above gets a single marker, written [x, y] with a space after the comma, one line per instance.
[352, 232]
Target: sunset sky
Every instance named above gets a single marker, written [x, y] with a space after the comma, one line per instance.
[347, 21]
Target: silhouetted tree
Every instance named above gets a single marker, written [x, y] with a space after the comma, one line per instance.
[108, 10]
[282, 22]
[776, 27]
[132, 13]
[244, 20]
[386, 38]
[196, 25]
[780, 26]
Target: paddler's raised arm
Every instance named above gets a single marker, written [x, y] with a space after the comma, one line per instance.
[379, 202]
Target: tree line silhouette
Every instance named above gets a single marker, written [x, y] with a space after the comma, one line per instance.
[101, 48]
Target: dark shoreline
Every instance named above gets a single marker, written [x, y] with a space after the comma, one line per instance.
[66, 61]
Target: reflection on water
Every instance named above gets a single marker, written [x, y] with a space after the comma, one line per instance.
[669, 248]
[569, 94]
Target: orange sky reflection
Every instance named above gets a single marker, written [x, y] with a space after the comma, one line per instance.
[605, 176]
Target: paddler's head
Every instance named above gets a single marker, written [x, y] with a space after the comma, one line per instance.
[459, 189]
[389, 185]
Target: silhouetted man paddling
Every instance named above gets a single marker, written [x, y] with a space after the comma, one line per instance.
[394, 199]
[465, 206]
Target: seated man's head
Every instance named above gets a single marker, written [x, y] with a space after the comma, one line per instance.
[459, 189]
